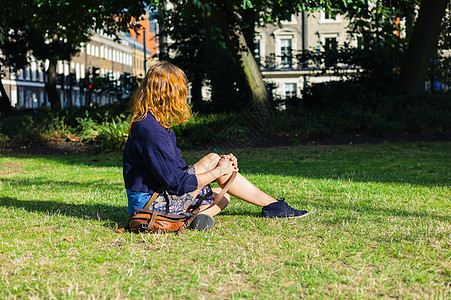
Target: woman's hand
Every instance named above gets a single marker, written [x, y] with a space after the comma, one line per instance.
[229, 156]
[228, 164]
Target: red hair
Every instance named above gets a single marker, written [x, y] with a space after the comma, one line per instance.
[163, 93]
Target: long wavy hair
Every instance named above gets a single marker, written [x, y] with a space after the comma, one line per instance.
[163, 93]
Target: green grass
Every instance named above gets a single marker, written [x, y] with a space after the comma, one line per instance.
[380, 228]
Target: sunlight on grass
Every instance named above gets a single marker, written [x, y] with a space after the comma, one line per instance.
[379, 226]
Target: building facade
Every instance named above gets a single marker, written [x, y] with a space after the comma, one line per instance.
[101, 57]
[277, 46]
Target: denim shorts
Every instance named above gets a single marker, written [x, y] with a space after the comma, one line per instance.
[169, 203]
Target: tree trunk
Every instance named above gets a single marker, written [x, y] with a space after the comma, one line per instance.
[50, 86]
[238, 46]
[422, 46]
[5, 104]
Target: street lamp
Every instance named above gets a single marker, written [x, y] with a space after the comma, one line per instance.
[134, 24]
[145, 50]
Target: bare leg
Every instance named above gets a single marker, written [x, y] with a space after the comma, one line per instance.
[241, 187]
[245, 190]
[207, 163]
[218, 207]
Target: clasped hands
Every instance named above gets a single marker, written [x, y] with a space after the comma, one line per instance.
[228, 163]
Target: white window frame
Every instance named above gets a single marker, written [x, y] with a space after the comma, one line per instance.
[262, 50]
[285, 90]
[33, 71]
[279, 38]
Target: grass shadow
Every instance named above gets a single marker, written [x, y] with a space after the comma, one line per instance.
[42, 181]
[109, 214]
[420, 163]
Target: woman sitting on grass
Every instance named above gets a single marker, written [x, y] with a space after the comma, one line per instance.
[152, 162]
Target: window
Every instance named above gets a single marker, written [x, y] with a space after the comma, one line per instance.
[290, 90]
[77, 71]
[33, 72]
[330, 43]
[66, 69]
[285, 52]
[27, 73]
[257, 50]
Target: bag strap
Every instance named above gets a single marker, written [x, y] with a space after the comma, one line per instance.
[152, 199]
[146, 207]
[216, 201]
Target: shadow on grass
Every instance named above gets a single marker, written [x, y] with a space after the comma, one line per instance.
[425, 164]
[42, 181]
[109, 214]
[113, 217]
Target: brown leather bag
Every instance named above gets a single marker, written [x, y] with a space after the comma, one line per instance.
[154, 221]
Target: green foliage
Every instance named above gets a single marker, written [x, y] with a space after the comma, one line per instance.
[200, 49]
[330, 109]
[113, 134]
[105, 126]
[202, 130]
[416, 113]
[348, 106]
[88, 128]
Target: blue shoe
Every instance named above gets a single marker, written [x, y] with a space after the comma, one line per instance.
[281, 209]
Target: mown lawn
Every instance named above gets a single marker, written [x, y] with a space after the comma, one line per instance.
[380, 227]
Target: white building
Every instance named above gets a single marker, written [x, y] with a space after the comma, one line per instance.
[276, 47]
[102, 55]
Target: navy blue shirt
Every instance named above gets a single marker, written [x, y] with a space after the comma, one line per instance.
[152, 162]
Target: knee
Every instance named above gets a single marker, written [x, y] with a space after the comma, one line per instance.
[214, 157]
[207, 163]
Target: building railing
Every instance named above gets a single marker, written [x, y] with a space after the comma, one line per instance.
[312, 61]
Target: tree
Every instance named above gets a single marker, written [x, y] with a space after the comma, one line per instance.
[54, 30]
[378, 24]
[422, 46]
[229, 15]
[199, 48]
[11, 56]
